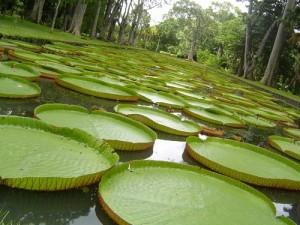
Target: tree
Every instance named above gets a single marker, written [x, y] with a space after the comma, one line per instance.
[37, 11]
[55, 14]
[270, 74]
[190, 15]
[77, 17]
[93, 32]
[124, 21]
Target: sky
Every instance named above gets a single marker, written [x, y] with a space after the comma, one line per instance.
[157, 13]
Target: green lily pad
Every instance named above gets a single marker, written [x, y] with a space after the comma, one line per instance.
[256, 121]
[21, 55]
[19, 70]
[286, 145]
[48, 159]
[120, 132]
[154, 192]
[214, 115]
[245, 162]
[159, 120]
[188, 94]
[159, 97]
[60, 68]
[271, 114]
[292, 132]
[97, 88]
[45, 72]
[23, 44]
[14, 87]
[239, 100]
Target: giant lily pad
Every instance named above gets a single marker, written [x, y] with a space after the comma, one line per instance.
[21, 55]
[14, 87]
[159, 120]
[154, 192]
[214, 115]
[120, 132]
[271, 114]
[286, 145]
[159, 97]
[292, 132]
[245, 162]
[60, 68]
[97, 88]
[256, 121]
[19, 70]
[36, 156]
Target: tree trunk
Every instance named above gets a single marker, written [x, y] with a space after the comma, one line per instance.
[135, 32]
[105, 22]
[93, 32]
[248, 42]
[55, 14]
[124, 23]
[115, 15]
[137, 14]
[77, 18]
[157, 45]
[270, 75]
[193, 47]
[37, 11]
[240, 70]
[194, 41]
[67, 11]
[251, 67]
[220, 51]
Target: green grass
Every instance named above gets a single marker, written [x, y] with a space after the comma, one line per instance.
[10, 26]
[14, 27]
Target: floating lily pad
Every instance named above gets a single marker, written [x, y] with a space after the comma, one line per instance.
[23, 44]
[288, 146]
[97, 88]
[120, 132]
[292, 132]
[214, 115]
[159, 120]
[159, 97]
[271, 114]
[60, 68]
[14, 87]
[256, 121]
[154, 192]
[19, 70]
[49, 159]
[21, 55]
[245, 162]
[191, 95]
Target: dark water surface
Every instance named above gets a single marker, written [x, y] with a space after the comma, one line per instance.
[81, 207]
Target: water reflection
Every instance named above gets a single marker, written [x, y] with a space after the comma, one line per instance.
[49, 208]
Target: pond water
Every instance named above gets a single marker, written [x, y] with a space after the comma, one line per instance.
[81, 207]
